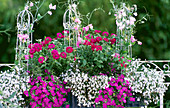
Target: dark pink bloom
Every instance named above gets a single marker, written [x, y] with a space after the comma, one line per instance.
[87, 37]
[96, 100]
[46, 100]
[50, 83]
[67, 106]
[38, 78]
[87, 42]
[93, 47]
[113, 34]
[98, 39]
[105, 39]
[93, 40]
[59, 35]
[63, 55]
[98, 48]
[46, 78]
[97, 31]
[41, 59]
[105, 33]
[50, 46]
[26, 93]
[132, 99]
[43, 43]
[47, 40]
[30, 46]
[69, 49]
[113, 40]
[32, 51]
[56, 56]
[100, 91]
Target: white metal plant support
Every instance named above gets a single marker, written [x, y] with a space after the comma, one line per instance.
[24, 35]
[69, 24]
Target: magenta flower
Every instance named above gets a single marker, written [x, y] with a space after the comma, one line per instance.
[56, 56]
[26, 93]
[32, 51]
[96, 100]
[46, 100]
[98, 39]
[63, 55]
[93, 47]
[93, 40]
[97, 31]
[105, 33]
[50, 84]
[113, 40]
[98, 48]
[67, 106]
[50, 46]
[88, 36]
[132, 99]
[113, 34]
[87, 42]
[69, 49]
[100, 91]
[41, 59]
[47, 40]
[105, 39]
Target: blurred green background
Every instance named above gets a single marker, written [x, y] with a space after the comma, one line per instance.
[154, 33]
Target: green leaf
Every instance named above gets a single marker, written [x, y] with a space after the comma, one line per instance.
[100, 61]
[95, 58]
[58, 63]
[84, 62]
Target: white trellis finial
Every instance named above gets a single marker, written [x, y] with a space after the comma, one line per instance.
[69, 23]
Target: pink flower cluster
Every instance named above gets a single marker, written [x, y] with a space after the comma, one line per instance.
[116, 93]
[37, 47]
[46, 92]
[95, 42]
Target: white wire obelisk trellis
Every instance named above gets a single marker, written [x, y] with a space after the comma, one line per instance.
[24, 35]
[69, 23]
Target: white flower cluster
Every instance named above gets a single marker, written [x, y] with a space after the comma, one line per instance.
[85, 88]
[10, 83]
[149, 83]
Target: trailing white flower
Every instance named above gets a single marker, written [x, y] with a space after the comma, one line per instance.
[12, 83]
[149, 83]
[83, 87]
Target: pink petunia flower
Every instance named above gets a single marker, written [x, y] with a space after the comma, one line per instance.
[69, 49]
[41, 59]
[97, 31]
[113, 40]
[50, 46]
[47, 40]
[63, 55]
[105, 33]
